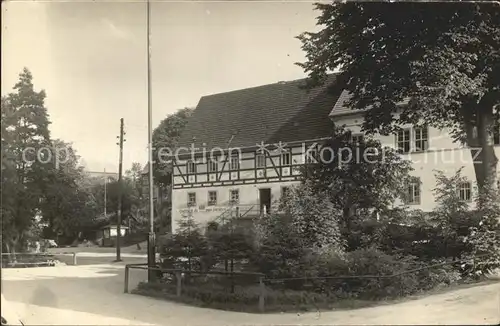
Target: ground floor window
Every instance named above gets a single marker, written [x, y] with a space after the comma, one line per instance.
[212, 198]
[234, 196]
[413, 192]
[191, 199]
[465, 191]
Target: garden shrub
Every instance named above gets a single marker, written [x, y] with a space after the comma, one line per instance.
[229, 241]
[373, 262]
[244, 298]
[484, 236]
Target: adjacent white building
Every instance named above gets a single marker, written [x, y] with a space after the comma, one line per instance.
[429, 149]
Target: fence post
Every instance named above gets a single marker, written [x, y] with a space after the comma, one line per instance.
[262, 293]
[125, 289]
[74, 258]
[179, 282]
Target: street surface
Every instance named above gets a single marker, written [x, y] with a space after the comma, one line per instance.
[93, 295]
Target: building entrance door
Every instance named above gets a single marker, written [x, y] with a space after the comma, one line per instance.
[265, 200]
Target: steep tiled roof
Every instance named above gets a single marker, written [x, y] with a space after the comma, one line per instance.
[340, 108]
[283, 111]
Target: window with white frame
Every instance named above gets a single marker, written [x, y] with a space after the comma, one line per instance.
[465, 191]
[190, 167]
[191, 199]
[286, 158]
[234, 196]
[357, 138]
[421, 135]
[234, 163]
[212, 165]
[260, 161]
[403, 141]
[212, 198]
[413, 192]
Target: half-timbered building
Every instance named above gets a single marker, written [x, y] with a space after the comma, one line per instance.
[243, 148]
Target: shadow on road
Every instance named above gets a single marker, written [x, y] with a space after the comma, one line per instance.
[92, 289]
[93, 295]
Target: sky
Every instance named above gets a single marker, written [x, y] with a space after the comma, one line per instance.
[91, 59]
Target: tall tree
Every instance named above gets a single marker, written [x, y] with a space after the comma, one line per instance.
[68, 206]
[25, 140]
[133, 176]
[358, 177]
[444, 57]
[165, 137]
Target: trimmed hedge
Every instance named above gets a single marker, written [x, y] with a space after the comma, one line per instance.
[246, 298]
[26, 261]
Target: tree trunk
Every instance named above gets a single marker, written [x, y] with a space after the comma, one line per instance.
[347, 213]
[12, 251]
[480, 141]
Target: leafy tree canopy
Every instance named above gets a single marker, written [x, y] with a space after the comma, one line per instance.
[444, 57]
[166, 136]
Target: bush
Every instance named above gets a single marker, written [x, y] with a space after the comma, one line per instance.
[23, 261]
[185, 249]
[373, 262]
[243, 299]
[230, 241]
[484, 236]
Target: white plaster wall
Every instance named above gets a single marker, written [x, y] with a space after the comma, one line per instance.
[443, 154]
[249, 196]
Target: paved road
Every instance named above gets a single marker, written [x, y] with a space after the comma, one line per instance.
[93, 295]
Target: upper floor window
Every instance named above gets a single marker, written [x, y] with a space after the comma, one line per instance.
[234, 163]
[212, 198]
[421, 139]
[212, 165]
[191, 199]
[234, 196]
[465, 191]
[190, 167]
[357, 138]
[260, 161]
[413, 192]
[412, 139]
[403, 140]
[286, 158]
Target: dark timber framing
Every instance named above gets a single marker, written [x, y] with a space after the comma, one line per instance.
[234, 177]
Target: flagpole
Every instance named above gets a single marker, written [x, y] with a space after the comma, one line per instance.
[105, 192]
[151, 236]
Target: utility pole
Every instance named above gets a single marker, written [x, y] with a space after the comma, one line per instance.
[105, 192]
[120, 195]
[151, 235]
